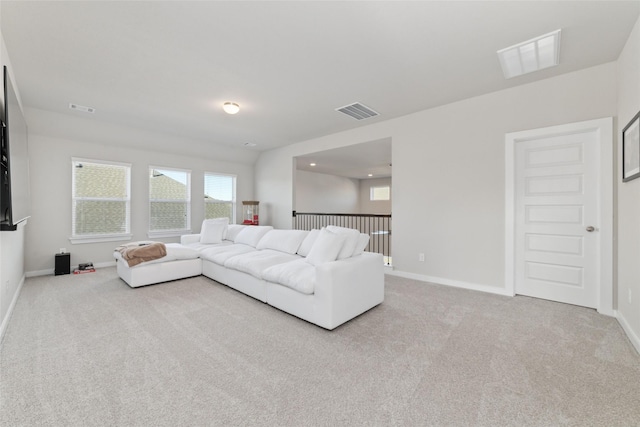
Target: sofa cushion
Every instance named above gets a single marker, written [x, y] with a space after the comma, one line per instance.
[256, 262]
[363, 241]
[213, 230]
[308, 242]
[298, 275]
[287, 241]
[326, 247]
[201, 246]
[351, 240]
[252, 234]
[233, 230]
[219, 254]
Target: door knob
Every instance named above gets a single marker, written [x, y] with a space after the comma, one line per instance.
[590, 228]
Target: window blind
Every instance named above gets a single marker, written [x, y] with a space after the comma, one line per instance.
[220, 196]
[101, 198]
[169, 199]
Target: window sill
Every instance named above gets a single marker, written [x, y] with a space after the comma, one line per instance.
[79, 240]
[167, 233]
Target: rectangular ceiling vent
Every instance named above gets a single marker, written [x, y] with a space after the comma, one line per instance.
[358, 111]
[82, 108]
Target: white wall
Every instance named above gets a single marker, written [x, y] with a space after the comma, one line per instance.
[448, 172]
[12, 270]
[49, 228]
[628, 217]
[322, 193]
[368, 206]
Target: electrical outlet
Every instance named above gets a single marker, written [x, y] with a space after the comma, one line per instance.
[63, 250]
[629, 296]
[421, 257]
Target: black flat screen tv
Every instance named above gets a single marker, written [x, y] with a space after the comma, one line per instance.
[15, 203]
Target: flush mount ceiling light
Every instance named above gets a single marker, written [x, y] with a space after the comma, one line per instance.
[533, 55]
[250, 144]
[230, 107]
[312, 164]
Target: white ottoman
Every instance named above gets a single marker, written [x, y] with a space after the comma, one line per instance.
[179, 263]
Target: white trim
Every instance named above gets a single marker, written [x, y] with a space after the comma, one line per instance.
[7, 317]
[449, 282]
[79, 240]
[100, 162]
[635, 340]
[604, 127]
[51, 271]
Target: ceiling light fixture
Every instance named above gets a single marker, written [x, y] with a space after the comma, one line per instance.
[312, 164]
[230, 107]
[370, 174]
[533, 55]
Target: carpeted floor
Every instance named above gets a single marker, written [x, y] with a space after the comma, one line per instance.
[90, 351]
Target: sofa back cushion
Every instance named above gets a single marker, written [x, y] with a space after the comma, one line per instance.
[233, 230]
[308, 242]
[351, 240]
[287, 241]
[326, 247]
[213, 230]
[251, 234]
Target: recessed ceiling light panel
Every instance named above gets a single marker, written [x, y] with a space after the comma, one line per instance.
[533, 55]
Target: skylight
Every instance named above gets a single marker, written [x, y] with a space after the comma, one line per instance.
[533, 55]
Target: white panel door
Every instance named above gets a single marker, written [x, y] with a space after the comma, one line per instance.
[556, 218]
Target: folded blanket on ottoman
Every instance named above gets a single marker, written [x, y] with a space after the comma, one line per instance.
[136, 253]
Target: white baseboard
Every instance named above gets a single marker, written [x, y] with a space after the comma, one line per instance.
[7, 317]
[449, 282]
[51, 271]
[635, 340]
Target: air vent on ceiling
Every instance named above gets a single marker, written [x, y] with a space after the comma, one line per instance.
[358, 111]
[82, 108]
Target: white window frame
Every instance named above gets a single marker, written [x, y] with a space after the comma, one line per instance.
[169, 233]
[372, 192]
[98, 238]
[233, 197]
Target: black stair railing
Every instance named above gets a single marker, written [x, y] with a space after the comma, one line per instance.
[377, 226]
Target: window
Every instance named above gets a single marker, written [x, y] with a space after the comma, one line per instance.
[380, 193]
[169, 202]
[220, 196]
[101, 201]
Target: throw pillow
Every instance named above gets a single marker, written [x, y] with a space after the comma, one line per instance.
[308, 242]
[212, 230]
[363, 241]
[351, 240]
[326, 247]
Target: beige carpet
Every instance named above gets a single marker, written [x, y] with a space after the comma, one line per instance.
[90, 351]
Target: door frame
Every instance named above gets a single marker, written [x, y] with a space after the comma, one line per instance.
[604, 128]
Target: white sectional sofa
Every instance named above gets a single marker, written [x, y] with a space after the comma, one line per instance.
[322, 276]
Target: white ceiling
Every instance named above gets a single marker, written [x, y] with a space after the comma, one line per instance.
[353, 161]
[169, 66]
